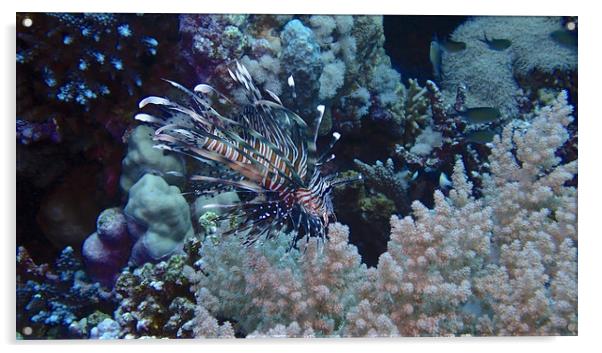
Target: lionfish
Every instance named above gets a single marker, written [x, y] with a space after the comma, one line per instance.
[265, 149]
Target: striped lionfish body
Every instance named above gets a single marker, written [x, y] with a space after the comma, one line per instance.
[266, 149]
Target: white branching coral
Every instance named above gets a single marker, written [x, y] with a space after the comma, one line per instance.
[425, 277]
[204, 325]
[264, 286]
[501, 264]
[534, 282]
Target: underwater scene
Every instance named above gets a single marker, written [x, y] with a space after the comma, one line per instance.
[263, 176]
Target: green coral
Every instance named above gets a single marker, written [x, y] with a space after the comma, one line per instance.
[208, 221]
[234, 39]
[377, 209]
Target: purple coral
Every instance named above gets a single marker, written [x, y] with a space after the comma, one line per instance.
[107, 250]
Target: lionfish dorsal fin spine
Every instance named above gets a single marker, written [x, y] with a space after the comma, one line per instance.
[147, 118]
[154, 100]
[274, 96]
[254, 157]
[203, 88]
[317, 123]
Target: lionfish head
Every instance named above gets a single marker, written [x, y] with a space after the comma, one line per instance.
[316, 200]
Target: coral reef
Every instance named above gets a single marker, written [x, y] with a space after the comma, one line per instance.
[490, 250]
[338, 61]
[30, 132]
[72, 111]
[117, 44]
[263, 286]
[424, 279]
[105, 330]
[301, 58]
[202, 42]
[158, 218]
[67, 213]
[445, 136]
[535, 228]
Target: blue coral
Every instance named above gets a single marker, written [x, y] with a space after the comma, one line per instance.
[48, 302]
[84, 54]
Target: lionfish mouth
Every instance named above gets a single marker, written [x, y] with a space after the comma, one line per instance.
[261, 147]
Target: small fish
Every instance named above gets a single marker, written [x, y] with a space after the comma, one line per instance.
[480, 136]
[565, 38]
[414, 176]
[480, 115]
[444, 182]
[436, 49]
[496, 44]
[452, 46]
[435, 58]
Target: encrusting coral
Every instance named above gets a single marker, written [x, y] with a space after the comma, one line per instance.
[493, 76]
